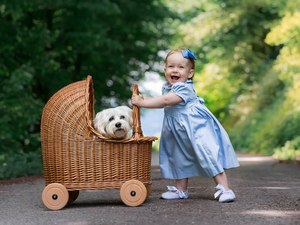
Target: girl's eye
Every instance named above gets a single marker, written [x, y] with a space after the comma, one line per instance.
[170, 66]
[111, 118]
[122, 117]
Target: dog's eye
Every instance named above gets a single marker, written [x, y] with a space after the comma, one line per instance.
[111, 118]
[122, 117]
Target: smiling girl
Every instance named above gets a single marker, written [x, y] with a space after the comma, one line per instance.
[193, 142]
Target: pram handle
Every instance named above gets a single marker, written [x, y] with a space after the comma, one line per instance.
[137, 128]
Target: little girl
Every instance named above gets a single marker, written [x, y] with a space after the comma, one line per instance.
[193, 142]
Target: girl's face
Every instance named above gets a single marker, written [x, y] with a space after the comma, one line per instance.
[178, 69]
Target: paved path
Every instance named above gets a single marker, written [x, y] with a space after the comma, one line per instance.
[268, 192]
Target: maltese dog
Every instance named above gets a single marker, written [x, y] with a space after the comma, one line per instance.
[114, 123]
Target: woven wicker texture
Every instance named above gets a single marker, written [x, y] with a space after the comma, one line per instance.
[77, 156]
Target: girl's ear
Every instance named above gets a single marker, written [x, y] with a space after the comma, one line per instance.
[191, 73]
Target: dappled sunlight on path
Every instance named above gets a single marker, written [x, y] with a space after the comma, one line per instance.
[244, 157]
[272, 213]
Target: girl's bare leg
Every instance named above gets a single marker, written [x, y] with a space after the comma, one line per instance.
[182, 184]
[222, 179]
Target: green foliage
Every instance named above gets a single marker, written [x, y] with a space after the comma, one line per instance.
[276, 113]
[290, 151]
[20, 113]
[20, 164]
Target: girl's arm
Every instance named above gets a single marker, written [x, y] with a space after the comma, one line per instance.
[156, 102]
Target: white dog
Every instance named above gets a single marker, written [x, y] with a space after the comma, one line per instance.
[114, 123]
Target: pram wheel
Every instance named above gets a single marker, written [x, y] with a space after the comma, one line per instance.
[133, 193]
[72, 196]
[55, 196]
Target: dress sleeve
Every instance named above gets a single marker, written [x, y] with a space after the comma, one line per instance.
[183, 91]
[164, 87]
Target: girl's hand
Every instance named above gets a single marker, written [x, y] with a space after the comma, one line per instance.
[156, 102]
[137, 100]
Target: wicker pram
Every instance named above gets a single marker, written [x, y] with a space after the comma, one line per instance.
[76, 157]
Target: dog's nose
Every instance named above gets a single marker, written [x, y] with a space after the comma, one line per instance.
[118, 125]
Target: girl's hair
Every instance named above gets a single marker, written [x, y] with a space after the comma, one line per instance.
[179, 50]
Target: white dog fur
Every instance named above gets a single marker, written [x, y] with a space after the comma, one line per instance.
[114, 123]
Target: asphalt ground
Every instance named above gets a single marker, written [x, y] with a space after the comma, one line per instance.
[268, 192]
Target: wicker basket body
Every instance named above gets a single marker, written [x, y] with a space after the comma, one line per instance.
[78, 157]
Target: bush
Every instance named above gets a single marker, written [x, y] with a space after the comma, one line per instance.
[20, 113]
[290, 151]
[20, 165]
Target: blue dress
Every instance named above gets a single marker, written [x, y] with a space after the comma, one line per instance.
[193, 142]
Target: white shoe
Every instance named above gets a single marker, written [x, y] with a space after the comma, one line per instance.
[175, 195]
[225, 196]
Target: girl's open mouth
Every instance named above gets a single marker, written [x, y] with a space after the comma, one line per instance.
[174, 77]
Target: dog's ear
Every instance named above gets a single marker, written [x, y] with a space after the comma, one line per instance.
[130, 116]
[99, 122]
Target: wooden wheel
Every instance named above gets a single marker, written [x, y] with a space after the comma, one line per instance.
[149, 189]
[73, 196]
[55, 196]
[133, 193]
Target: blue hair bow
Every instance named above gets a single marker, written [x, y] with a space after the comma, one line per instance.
[189, 54]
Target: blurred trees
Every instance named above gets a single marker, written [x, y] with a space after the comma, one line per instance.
[46, 45]
[286, 109]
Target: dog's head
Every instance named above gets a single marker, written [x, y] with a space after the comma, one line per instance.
[114, 123]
